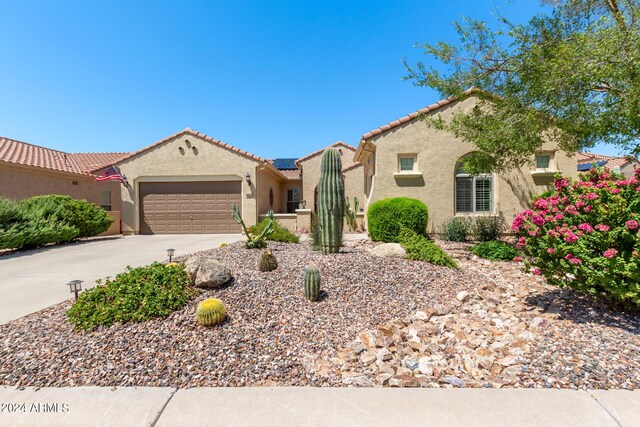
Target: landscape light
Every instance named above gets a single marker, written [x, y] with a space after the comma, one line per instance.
[75, 286]
[170, 253]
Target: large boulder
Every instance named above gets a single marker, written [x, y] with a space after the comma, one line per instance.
[392, 250]
[207, 273]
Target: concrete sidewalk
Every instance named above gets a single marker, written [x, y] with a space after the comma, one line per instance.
[300, 406]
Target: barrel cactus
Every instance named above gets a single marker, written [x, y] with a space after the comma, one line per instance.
[331, 201]
[266, 261]
[312, 283]
[211, 312]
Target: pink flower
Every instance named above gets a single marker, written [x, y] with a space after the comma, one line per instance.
[551, 251]
[569, 257]
[576, 261]
[570, 237]
[585, 227]
[517, 259]
[614, 190]
[602, 227]
[540, 204]
[592, 196]
[561, 183]
[536, 271]
[588, 209]
[521, 243]
[632, 224]
[538, 220]
[610, 253]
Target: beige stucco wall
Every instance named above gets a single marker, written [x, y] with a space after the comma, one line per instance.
[200, 160]
[21, 182]
[267, 179]
[437, 154]
[311, 175]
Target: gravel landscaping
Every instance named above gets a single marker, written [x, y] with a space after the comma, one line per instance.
[270, 330]
[485, 325]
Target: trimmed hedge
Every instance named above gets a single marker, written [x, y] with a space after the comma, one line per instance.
[386, 218]
[42, 220]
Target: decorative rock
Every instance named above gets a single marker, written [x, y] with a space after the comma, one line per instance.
[455, 381]
[384, 354]
[206, 272]
[388, 250]
[411, 364]
[404, 381]
[356, 346]
[357, 379]
[462, 296]
[368, 357]
[539, 323]
[426, 366]
[368, 338]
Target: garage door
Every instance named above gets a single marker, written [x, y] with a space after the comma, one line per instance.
[189, 207]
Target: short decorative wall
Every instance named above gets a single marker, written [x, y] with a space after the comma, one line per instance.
[115, 227]
[300, 222]
[286, 220]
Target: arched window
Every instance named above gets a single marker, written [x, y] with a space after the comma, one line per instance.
[474, 193]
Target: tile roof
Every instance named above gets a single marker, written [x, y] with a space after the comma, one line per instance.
[317, 152]
[199, 135]
[291, 173]
[408, 118]
[95, 161]
[609, 161]
[23, 153]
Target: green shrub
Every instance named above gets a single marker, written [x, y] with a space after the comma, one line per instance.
[136, 295]
[386, 218]
[43, 220]
[585, 236]
[422, 249]
[280, 233]
[487, 228]
[456, 229]
[9, 213]
[495, 251]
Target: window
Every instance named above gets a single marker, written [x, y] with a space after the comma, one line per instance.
[543, 161]
[474, 193]
[105, 200]
[406, 163]
[293, 200]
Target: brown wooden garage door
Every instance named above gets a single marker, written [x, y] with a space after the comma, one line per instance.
[189, 207]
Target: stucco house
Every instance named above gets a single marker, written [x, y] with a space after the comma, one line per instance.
[410, 158]
[28, 170]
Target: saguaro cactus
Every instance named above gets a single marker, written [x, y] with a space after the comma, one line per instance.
[331, 201]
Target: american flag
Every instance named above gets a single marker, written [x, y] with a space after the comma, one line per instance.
[112, 174]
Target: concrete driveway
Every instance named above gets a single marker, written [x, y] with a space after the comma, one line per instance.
[33, 280]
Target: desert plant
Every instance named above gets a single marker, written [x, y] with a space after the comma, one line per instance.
[267, 261]
[312, 283]
[254, 240]
[224, 245]
[487, 228]
[387, 217]
[331, 201]
[351, 215]
[495, 250]
[420, 248]
[279, 234]
[9, 213]
[136, 295]
[585, 236]
[211, 312]
[456, 229]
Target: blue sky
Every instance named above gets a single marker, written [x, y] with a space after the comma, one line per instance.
[276, 78]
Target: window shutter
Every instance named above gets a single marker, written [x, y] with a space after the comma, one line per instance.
[463, 194]
[483, 194]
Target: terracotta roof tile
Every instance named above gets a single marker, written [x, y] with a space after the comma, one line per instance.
[199, 135]
[408, 118]
[291, 173]
[315, 153]
[23, 153]
[95, 161]
[612, 161]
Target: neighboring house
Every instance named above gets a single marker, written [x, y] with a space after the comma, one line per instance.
[28, 170]
[626, 165]
[410, 158]
[353, 174]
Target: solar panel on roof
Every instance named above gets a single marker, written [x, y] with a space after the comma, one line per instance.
[582, 167]
[284, 164]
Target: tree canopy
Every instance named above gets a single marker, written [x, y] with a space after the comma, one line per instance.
[571, 76]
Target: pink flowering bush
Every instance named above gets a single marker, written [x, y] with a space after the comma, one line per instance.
[585, 235]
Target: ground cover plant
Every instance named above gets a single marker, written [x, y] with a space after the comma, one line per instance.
[495, 250]
[42, 220]
[279, 233]
[487, 228]
[136, 295]
[422, 249]
[585, 236]
[386, 218]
